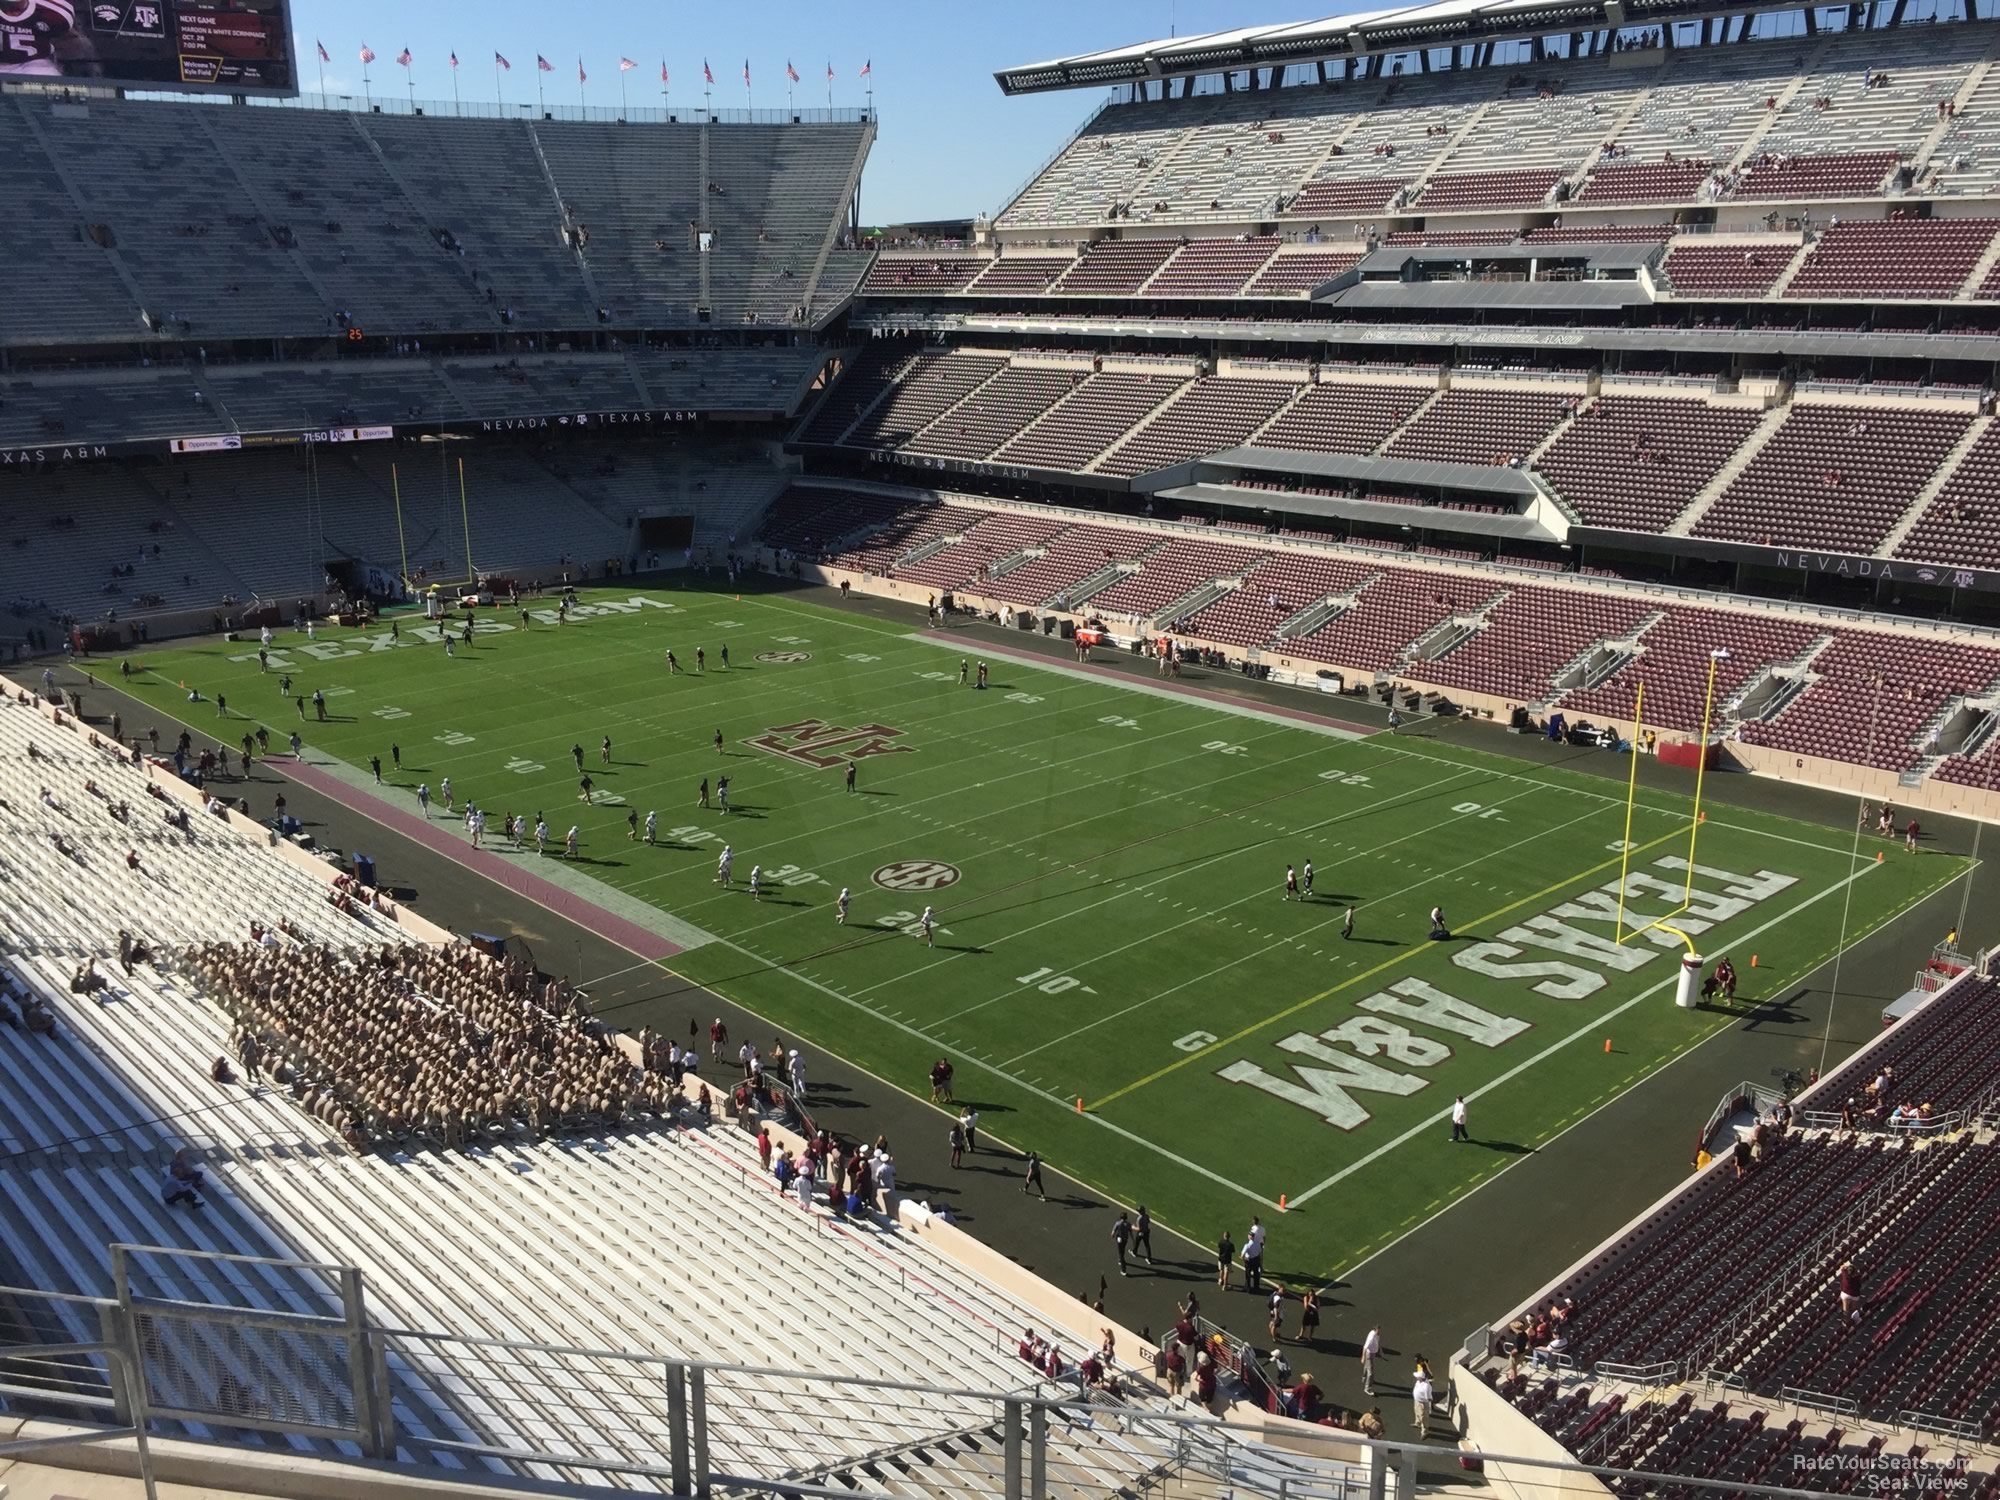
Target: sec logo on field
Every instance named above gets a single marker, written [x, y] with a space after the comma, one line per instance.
[916, 875]
[785, 656]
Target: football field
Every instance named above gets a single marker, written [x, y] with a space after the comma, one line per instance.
[1106, 861]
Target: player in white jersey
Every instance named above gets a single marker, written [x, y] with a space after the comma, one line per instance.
[722, 865]
[756, 882]
[424, 797]
[652, 826]
[1307, 874]
[569, 843]
[541, 837]
[841, 917]
[930, 928]
[444, 791]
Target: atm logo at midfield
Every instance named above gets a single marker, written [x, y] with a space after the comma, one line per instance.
[814, 742]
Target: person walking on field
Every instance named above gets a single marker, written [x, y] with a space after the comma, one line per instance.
[1371, 1350]
[1121, 1236]
[1458, 1130]
[1142, 1235]
[1033, 1181]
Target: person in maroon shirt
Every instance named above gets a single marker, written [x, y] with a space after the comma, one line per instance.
[1850, 1292]
[1204, 1379]
[1306, 1398]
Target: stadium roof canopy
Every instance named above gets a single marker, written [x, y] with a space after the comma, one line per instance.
[1443, 23]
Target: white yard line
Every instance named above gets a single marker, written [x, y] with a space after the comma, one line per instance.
[1443, 875]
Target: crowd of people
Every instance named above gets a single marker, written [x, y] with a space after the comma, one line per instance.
[448, 1045]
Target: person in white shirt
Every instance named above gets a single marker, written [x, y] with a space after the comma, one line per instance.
[1458, 1130]
[722, 865]
[1420, 1403]
[1253, 1256]
[798, 1072]
[1371, 1349]
[841, 918]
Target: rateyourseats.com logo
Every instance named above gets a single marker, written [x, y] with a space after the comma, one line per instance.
[1881, 1473]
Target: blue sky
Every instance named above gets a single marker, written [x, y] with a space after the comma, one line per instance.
[950, 143]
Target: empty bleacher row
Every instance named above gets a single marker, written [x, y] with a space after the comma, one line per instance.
[217, 223]
[1791, 684]
[1736, 1441]
[1832, 116]
[1909, 477]
[1924, 259]
[138, 539]
[94, 1110]
[58, 408]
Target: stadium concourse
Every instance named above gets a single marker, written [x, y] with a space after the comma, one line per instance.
[1478, 368]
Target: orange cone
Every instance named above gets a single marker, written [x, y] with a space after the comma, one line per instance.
[1702, 816]
[1607, 1046]
[1753, 960]
[1878, 856]
[1079, 1104]
[1281, 1204]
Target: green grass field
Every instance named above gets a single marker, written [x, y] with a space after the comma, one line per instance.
[1114, 927]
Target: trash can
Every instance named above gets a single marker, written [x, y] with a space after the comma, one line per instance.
[364, 870]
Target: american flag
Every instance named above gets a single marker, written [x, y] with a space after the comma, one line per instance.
[707, 72]
[324, 55]
[367, 53]
[868, 67]
[544, 64]
[502, 62]
[579, 70]
[663, 71]
[626, 65]
[790, 71]
[403, 57]
[454, 59]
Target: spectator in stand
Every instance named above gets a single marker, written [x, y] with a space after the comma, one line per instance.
[181, 1181]
[1848, 1280]
[443, 1044]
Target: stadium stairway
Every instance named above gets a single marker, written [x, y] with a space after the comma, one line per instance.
[581, 260]
[1416, 416]
[265, 211]
[1975, 286]
[1704, 500]
[1940, 477]
[61, 167]
[1413, 189]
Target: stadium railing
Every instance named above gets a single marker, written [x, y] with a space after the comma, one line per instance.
[683, 1412]
[390, 103]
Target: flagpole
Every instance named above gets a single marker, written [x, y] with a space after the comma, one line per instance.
[410, 79]
[621, 93]
[322, 78]
[541, 104]
[499, 98]
[829, 83]
[367, 94]
[454, 92]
